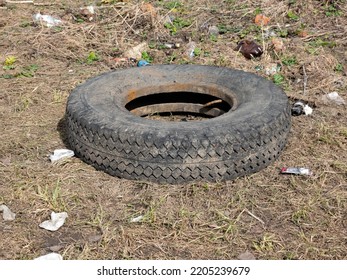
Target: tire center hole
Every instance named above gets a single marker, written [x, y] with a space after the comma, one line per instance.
[191, 103]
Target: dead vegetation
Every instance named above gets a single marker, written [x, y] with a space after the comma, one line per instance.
[272, 216]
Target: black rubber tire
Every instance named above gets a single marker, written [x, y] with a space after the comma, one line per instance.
[102, 132]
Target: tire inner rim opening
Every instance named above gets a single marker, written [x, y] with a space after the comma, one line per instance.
[200, 101]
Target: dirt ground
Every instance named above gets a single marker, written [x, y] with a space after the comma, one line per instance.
[269, 215]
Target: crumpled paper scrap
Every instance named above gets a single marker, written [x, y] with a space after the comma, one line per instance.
[307, 110]
[60, 154]
[7, 214]
[49, 257]
[56, 222]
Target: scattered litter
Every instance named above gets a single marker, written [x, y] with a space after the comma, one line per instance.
[213, 30]
[136, 52]
[47, 20]
[296, 171]
[172, 45]
[88, 12]
[272, 69]
[57, 221]
[142, 63]
[246, 256]
[60, 154]
[277, 44]
[136, 219]
[190, 49]
[258, 68]
[334, 97]
[249, 49]
[308, 110]
[268, 33]
[50, 257]
[7, 214]
[261, 20]
[120, 60]
[300, 108]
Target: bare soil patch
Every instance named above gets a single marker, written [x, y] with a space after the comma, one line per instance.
[273, 216]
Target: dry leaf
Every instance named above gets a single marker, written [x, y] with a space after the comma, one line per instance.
[277, 44]
[261, 20]
[303, 34]
[148, 8]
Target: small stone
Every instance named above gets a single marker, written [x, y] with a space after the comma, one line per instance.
[335, 98]
[7, 214]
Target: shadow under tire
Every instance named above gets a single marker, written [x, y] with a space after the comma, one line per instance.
[245, 129]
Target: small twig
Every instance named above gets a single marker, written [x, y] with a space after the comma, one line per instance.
[29, 2]
[262, 36]
[212, 103]
[205, 22]
[44, 4]
[255, 217]
[310, 37]
[19, 2]
[305, 78]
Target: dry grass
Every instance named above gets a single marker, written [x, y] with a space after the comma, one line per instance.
[271, 215]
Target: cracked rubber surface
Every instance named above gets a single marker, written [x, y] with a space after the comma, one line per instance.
[242, 141]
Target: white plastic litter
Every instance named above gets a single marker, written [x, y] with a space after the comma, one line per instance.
[272, 69]
[88, 12]
[335, 97]
[90, 9]
[136, 52]
[50, 257]
[136, 219]
[307, 110]
[60, 154]
[190, 49]
[56, 222]
[47, 20]
[7, 214]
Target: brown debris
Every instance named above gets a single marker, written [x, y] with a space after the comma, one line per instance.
[261, 20]
[249, 49]
[277, 44]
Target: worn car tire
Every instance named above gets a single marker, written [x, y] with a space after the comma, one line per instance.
[238, 140]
